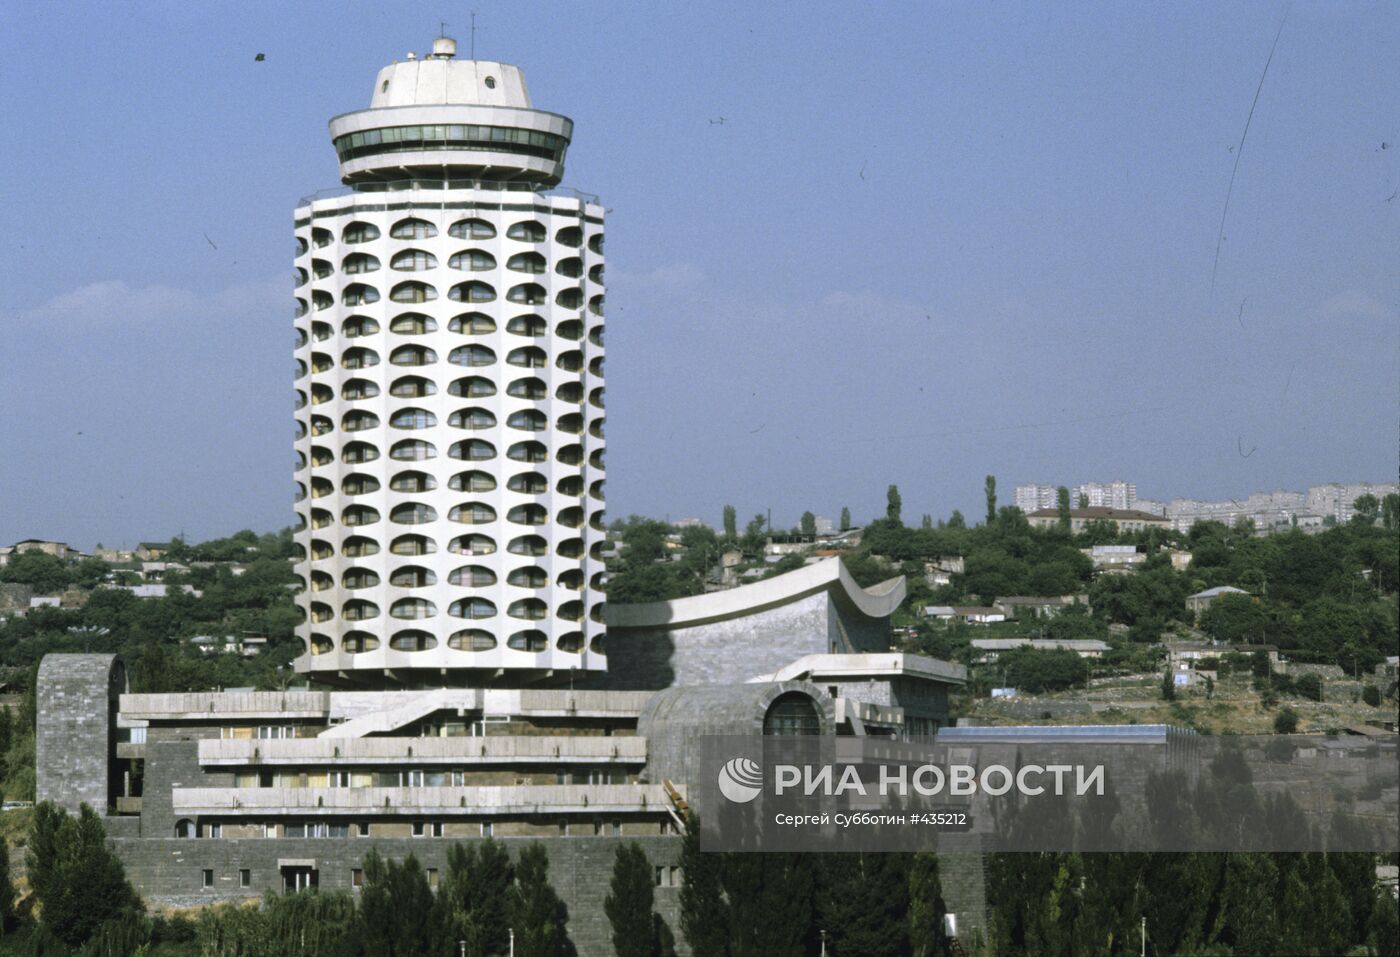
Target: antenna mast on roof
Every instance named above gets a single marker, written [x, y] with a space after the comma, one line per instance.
[473, 34]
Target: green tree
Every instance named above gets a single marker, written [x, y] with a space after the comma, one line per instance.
[45, 573]
[956, 520]
[1062, 495]
[537, 914]
[1235, 618]
[1390, 511]
[1083, 500]
[7, 890]
[926, 907]
[926, 522]
[474, 899]
[1168, 687]
[893, 504]
[845, 519]
[1383, 929]
[41, 859]
[731, 522]
[808, 524]
[1371, 695]
[79, 882]
[1286, 721]
[396, 908]
[990, 490]
[770, 903]
[629, 903]
[1366, 509]
[863, 903]
[1035, 670]
[1308, 686]
[754, 537]
[704, 911]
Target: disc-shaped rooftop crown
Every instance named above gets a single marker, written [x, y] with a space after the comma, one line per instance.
[440, 117]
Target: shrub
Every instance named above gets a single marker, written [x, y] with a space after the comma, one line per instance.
[1286, 721]
[1371, 695]
[1309, 686]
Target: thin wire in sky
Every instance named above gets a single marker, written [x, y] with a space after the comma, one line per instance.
[1239, 150]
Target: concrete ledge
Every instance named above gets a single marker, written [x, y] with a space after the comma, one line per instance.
[874, 665]
[501, 749]
[223, 705]
[397, 802]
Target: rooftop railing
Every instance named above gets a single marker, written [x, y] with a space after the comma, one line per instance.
[404, 185]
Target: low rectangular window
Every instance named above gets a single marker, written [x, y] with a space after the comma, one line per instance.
[207, 878]
[485, 828]
[245, 878]
[433, 877]
[357, 877]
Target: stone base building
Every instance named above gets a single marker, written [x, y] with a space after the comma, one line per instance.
[216, 796]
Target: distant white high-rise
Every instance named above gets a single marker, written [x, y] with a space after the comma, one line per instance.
[1105, 494]
[1032, 498]
[449, 390]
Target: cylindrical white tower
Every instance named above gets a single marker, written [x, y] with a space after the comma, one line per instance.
[449, 390]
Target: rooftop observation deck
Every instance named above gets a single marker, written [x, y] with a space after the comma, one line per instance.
[472, 117]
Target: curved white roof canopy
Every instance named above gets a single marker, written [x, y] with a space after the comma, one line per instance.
[878, 601]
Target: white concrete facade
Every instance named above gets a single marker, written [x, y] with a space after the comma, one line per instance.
[449, 395]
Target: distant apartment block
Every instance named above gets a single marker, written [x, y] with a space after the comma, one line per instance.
[1278, 509]
[690, 523]
[825, 526]
[1033, 498]
[1105, 494]
[1336, 499]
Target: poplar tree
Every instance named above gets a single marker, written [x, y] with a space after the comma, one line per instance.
[536, 912]
[629, 903]
[704, 911]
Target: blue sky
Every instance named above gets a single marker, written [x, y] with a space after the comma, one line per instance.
[927, 242]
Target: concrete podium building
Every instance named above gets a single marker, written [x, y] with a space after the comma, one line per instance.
[450, 503]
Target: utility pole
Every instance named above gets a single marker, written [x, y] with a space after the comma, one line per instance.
[1144, 937]
[823, 933]
[512, 941]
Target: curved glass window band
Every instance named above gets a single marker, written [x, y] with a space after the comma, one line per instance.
[497, 139]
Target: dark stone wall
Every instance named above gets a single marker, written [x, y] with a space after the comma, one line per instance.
[76, 744]
[168, 871]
